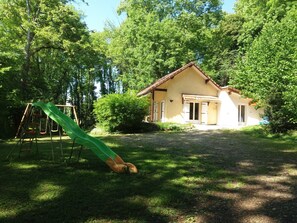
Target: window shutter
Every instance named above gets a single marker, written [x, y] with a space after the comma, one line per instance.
[186, 111]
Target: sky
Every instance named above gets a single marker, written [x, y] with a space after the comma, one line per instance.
[97, 12]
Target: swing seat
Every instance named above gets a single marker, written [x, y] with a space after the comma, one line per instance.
[31, 132]
[32, 129]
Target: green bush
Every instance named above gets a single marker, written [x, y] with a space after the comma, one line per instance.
[121, 112]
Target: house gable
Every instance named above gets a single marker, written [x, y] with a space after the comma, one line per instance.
[189, 81]
[174, 89]
[164, 81]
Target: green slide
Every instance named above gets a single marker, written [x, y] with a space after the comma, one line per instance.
[76, 133]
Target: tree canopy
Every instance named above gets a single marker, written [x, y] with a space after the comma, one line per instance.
[46, 52]
[159, 36]
[268, 72]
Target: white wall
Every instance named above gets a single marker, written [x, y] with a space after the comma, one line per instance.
[228, 110]
[254, 115]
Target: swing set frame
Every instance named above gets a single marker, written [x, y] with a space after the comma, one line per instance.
[30, 128]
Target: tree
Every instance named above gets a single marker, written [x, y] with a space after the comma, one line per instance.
[104, 70]
[222, 49]
[268, 72]
[42, 33]
[46, 53]
[159, 36]
[235, 34]
[257, 13]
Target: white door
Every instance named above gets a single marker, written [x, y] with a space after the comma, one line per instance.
[204, 112]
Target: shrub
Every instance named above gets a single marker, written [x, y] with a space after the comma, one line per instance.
[121, 112]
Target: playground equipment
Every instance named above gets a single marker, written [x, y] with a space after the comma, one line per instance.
[72, 129]
[43, 122]
[34, 123]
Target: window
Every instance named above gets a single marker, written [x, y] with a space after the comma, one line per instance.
[194, 111]
[241, 113]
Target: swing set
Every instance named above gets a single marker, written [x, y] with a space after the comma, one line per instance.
[35, 123]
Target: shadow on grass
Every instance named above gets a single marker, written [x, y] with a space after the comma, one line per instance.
[216, 176]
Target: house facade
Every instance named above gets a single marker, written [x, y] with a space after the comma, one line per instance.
[188, 95]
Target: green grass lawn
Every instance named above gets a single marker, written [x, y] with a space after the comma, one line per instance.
[195, 176]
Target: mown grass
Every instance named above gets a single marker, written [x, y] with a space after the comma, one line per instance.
[178, 175]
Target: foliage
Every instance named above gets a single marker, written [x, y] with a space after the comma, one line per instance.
[252, 50]
[121, 112]
[42, 36]
[223, 48]
[257, 13]
[160, 36]
[47, 53]
[268, 72]
[104, 70]
[235, 34]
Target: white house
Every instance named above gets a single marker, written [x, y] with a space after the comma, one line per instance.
[188, 95]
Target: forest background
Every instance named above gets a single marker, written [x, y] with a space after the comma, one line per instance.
[48, 53]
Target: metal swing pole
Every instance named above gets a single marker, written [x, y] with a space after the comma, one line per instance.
[53, 155]
[61, 146]
[72, 149]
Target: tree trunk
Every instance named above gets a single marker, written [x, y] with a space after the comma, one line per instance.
[26, 65]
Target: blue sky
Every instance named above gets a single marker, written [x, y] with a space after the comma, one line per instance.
[97, 12]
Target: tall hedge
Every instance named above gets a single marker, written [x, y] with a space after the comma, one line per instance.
[121, 112]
